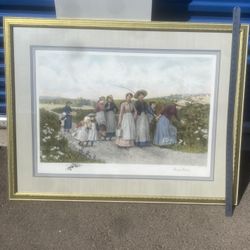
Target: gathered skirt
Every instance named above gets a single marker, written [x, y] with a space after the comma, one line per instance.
[111, 122]
[100, 118]
[68, 122]
[166, 133]
[82, 134]
[92, 133]
[128, 132]
[142, 129]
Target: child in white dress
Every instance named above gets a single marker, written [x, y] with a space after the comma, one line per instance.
[92, 132]
[82, 133]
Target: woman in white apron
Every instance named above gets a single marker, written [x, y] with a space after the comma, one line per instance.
[126, 123]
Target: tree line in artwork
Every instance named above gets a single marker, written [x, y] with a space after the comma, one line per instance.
[77, 102]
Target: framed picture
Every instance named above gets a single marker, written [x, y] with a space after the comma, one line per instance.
[120, 111]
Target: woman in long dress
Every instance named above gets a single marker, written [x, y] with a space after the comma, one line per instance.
[166, 132]
[100, 117]
[67, 117]
[110, 111]
[142, 121]
[126, 123]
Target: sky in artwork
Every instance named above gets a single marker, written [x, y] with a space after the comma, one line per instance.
[93, 73]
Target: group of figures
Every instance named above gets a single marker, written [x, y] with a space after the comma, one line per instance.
[133, 126]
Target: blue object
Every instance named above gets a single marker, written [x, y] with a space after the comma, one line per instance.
[231, 104]
[19, 8]
[165, 133]
[68, 117]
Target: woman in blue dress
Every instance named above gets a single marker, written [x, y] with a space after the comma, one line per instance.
[166, 132]
[67, 117]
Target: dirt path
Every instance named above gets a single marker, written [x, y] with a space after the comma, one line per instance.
[108, 152]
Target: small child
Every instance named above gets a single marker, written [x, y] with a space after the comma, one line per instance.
[82, 133]
[92, 133]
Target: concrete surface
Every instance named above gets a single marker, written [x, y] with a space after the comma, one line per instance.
[3, 137]
[32, 225]
[3, 122]
[108, 152]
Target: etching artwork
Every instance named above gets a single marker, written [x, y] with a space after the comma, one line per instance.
[125, 112]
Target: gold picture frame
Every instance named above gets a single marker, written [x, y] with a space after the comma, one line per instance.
[14, 26]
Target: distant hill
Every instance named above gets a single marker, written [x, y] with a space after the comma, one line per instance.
[182, 100]
[48, 97]
[76, 102]
[186, 96]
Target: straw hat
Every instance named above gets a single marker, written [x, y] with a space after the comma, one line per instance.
[140, 92]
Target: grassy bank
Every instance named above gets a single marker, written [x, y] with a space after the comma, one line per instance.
[53, 146]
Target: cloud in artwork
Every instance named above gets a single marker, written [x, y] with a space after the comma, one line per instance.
[90, 74]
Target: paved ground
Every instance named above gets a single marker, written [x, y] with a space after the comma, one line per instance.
[108, 152]
[3, 137]
[26, 225]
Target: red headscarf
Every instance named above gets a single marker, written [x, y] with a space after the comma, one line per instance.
[170, 111]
